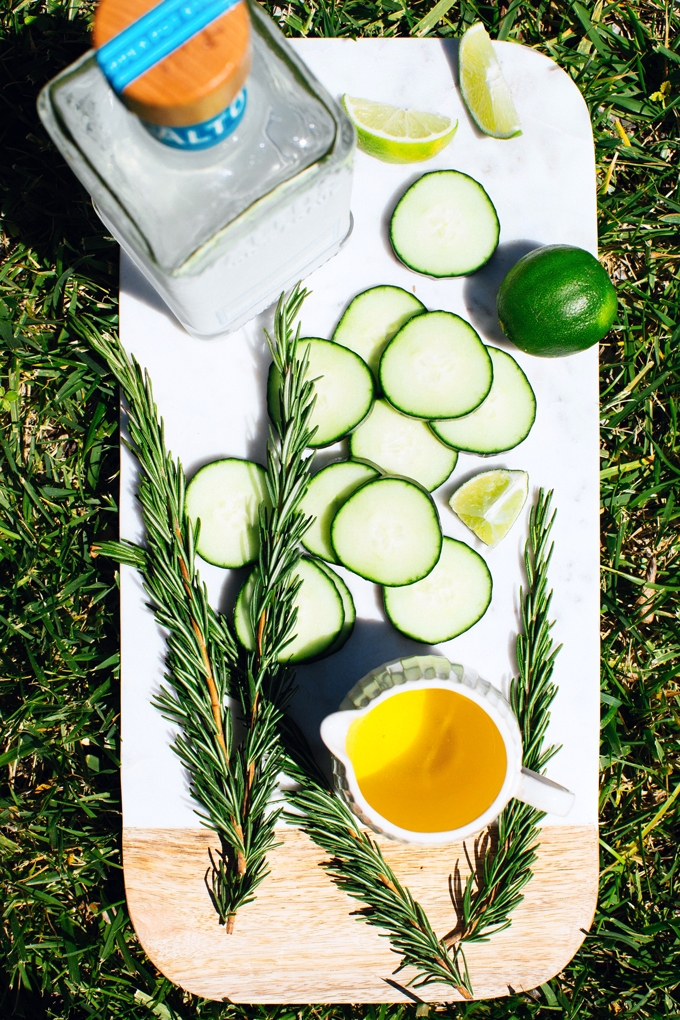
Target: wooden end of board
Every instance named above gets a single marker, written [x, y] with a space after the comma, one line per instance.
[303, 941]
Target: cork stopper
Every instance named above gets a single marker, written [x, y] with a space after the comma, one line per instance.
[195, 80]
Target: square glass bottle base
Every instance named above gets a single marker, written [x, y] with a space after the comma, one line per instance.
[251, 276]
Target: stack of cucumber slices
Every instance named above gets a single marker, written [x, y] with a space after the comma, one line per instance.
[409, 388]
[325, 613]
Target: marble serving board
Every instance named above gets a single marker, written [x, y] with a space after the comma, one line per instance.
[301, 940]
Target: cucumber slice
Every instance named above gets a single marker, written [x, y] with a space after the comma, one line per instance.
[444, 225]
[402, 446]
[450, 600]
[224, 496]
[343, 387]
[320, 616]
[436, 367]
[388, 531]
[371, 320]
[326, 493]
[347, 605]
[503, 420]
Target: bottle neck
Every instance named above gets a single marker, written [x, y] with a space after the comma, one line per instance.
[196, 137]
[179, 65]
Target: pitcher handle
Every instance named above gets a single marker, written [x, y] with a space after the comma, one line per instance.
[541, 793]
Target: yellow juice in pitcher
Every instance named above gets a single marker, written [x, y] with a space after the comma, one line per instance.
[428, 760]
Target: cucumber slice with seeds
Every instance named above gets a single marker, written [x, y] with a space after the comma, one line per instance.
[502, 421]
[371, 320]
[320, 614]
[402, 446]
[436, 367]
[325, 494]
[450, 600]
[388, 531]
[444, 225]
[343, 387]
[224, 496]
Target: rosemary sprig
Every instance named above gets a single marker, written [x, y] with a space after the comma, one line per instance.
[356, 864]
[201, 652]
[232, 783]
[282, 525]
[266, 683]
[494, 889]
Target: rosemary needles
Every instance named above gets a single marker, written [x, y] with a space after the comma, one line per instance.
[494, 889]
[233, 781]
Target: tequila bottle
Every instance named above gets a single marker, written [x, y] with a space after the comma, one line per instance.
[225, 176]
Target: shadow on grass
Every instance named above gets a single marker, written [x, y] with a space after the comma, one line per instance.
[44, 206]
[20, 1002]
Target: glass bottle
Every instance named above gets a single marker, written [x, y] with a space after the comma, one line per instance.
[221, 207]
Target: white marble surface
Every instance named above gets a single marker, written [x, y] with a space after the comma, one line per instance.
[211, 397]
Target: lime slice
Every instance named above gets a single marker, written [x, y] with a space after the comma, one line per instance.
[490, 503]
[483, 86]
[396, 135]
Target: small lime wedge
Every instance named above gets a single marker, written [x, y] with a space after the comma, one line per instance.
[483, 86]
[396, 135]
[490, 503]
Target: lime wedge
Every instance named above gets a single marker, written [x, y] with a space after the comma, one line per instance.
[396, 135]
[483, 86]
[490, 503]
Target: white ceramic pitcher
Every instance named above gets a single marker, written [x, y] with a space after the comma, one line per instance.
[435, 672]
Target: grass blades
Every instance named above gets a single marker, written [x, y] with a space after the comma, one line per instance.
[67, 950]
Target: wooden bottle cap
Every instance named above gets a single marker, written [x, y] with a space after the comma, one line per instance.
[184, 85]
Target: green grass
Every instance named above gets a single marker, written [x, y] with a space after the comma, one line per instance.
[67, 949]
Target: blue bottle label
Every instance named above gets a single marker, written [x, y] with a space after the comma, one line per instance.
[203, 135]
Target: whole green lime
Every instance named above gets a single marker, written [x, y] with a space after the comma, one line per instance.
[556, 300]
